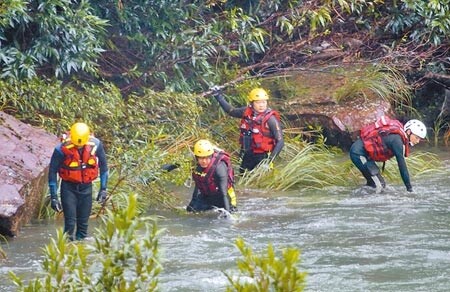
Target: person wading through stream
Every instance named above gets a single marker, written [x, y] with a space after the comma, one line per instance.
[77, 160]
[261, 135]
[381, 141]
[214, 179]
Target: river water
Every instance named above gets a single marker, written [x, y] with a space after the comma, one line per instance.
[350, 238]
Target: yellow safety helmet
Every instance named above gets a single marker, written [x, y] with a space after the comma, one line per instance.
[79, 134]
[203, 148]
[257, 94]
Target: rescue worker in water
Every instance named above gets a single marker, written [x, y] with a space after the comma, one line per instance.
[214, 179]
[77, 160]
[261, 135]
[381, 141]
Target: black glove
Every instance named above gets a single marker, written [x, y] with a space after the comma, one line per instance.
[101, 197]
[409, 189]
[56, 205]
[216, 90]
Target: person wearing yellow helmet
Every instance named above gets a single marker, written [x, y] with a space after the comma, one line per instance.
[214, 179]
[78, 160]
[261, 135]
[382, 140]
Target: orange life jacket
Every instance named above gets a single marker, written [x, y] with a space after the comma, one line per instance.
[79, 168]
[256, 128]
[372, 134]
[204, 180]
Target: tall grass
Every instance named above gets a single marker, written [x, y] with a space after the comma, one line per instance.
[377, 81]
[420, 164]
[3, 254]
[305, 166]
[440, 125]
[314, 167]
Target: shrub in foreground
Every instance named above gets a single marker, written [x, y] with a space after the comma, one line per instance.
[123, 257]
[267, 272]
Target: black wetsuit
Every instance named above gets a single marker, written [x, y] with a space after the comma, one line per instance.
[76, 198]
[250, 160]
[221, 199]
[368, 167]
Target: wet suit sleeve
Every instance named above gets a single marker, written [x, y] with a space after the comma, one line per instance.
[55, 163]
[395, 143]
[277, 133]
[195, 193]
[231, 111]
[221, 178]
[103, 165]
[195, 202]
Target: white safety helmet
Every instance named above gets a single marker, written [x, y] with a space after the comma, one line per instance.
[417, 128]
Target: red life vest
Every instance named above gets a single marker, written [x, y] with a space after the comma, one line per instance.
[204, 180]
[372, 134]
[78, 168]
[257, 128]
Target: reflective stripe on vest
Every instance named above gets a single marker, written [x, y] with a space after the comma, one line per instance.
[78, 168]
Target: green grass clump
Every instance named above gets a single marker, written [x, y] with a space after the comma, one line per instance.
[375, 81]
[420, 164]
[310, 166]
[307, 166]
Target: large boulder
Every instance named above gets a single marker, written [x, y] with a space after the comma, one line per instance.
[315, 102]
[24, 161]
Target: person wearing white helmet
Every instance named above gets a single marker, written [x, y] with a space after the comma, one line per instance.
[417, 131]
[380, 142]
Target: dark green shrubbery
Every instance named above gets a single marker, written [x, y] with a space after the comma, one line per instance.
[140, 133]
[59, 37]
[189, 45]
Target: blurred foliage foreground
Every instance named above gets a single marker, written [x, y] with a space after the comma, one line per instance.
[123, 257]
[143, 133]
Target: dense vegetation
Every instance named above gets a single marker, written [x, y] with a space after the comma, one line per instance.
[137, 71]
[189, 45]
[126, 67]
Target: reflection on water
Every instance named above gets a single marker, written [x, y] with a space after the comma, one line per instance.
[350, 238]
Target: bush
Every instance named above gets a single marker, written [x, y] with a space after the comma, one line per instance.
[119, 259]
[56, 37]
[267, 272]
